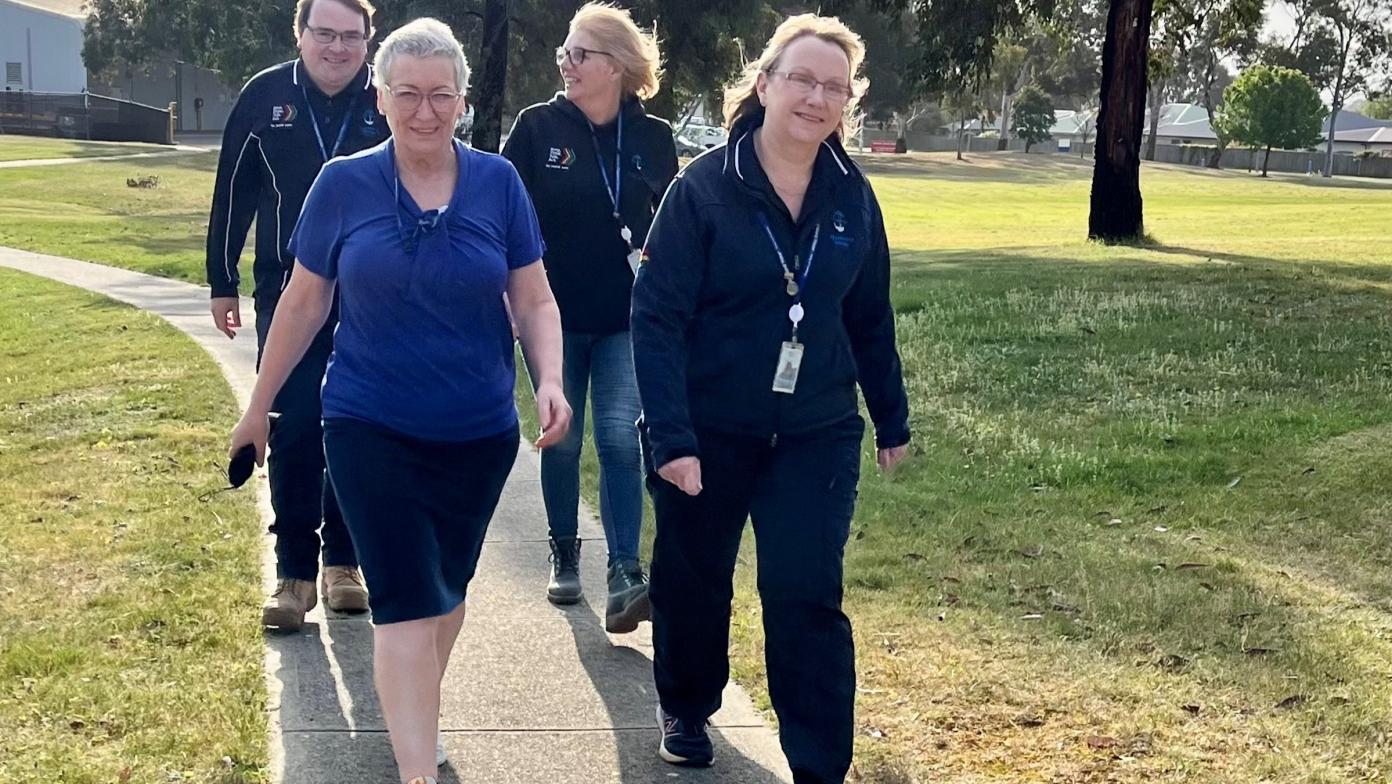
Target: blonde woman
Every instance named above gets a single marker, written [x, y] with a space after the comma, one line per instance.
[596, 167]
[762, 303]
[422, 237]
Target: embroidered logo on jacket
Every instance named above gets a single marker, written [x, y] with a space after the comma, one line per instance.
[282, 115]
[560, 158]
[840, 239]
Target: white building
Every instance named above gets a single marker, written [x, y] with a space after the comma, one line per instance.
[41, 48]
[41, 45]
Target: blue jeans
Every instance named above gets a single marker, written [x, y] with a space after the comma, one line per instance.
[603, 366]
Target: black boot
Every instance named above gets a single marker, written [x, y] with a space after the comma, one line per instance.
[628, 598]
[564, 587]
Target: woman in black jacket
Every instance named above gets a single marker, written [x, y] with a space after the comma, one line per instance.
[762, 301]
[596, 167]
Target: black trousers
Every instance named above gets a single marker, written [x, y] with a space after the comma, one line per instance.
[800, 495]
[303, 500]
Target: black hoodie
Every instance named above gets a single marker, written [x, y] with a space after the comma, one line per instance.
[553, 148]
[710, 308]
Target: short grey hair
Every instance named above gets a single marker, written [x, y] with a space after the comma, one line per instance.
[424, 37]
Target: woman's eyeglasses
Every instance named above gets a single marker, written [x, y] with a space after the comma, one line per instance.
[839, 92]
[441, 101]
[576, 54]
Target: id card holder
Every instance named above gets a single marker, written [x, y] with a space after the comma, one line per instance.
[635, 257]
[789, 362]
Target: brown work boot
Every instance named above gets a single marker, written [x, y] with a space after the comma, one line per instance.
[288, 604]
[344, 590]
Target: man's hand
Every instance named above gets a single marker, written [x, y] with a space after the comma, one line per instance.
[227, 315]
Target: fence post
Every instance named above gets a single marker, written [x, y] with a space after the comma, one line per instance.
[173, 113]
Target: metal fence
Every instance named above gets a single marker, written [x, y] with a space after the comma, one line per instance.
[82, 116]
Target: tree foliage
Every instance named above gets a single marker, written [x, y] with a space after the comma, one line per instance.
[1272, 107]
[1034, 116]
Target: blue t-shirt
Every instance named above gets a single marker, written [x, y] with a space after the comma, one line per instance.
[423, 344]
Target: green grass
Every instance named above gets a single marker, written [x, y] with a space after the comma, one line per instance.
[23, 148]
[129, 644]
[86, 211]
[1146, 531]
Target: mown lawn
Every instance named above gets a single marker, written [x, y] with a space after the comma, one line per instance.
[23, 148]
[86, 211]
[130, 649]
[1145, 533]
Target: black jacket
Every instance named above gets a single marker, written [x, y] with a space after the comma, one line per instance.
[710, 309]
[553, 149]
[270, 156]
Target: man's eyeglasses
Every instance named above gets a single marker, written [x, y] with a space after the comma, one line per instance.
[576, 54]
[441, 101]
[839, 92]
[327, 35]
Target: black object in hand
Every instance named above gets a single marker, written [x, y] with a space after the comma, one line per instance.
[239, 470]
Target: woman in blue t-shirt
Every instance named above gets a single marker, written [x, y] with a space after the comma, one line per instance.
[422, 237]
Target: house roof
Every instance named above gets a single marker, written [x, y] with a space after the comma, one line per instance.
[1190, 121]
[68, 8]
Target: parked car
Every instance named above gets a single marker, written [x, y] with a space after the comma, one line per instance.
[704, 136]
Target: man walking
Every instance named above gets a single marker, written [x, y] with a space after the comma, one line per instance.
[288, 121]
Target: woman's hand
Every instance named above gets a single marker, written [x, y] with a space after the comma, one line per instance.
[685, 473]
[254, 428]
[887, 459]
[553, 412]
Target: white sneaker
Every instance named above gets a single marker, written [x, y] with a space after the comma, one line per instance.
[441, 756]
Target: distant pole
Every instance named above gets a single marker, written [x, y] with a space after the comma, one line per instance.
[488, 96]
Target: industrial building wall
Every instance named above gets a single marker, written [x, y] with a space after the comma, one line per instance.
[40, 51]
[181, 83]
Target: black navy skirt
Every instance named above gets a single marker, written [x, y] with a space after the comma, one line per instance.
[417, 511]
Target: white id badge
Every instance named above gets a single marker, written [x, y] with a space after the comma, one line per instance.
[635, 257]
[789, 361]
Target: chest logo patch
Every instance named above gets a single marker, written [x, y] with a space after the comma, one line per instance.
[560, 158]
[840, 239]
[283, 115]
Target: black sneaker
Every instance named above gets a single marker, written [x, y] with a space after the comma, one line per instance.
[564, 587]
[684, 743]
[628, 598]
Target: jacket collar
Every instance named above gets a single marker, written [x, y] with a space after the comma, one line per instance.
[741, 161]
[630, 107]
[361, 81]
[832, 171]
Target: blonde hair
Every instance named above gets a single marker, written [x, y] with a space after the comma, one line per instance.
[742, 97]
[634, 50]
[424, 37]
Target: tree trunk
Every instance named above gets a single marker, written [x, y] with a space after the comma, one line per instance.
[1266, 159]
[1003, 141]
[1333, 123]
[492, 80]
[1157, 101]
[961, 132]
[1116, 210]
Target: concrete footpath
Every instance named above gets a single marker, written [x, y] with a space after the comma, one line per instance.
[535, 694]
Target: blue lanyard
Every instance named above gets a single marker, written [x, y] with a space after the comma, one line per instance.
[794, 287]
[616, 188]
[342, 129]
